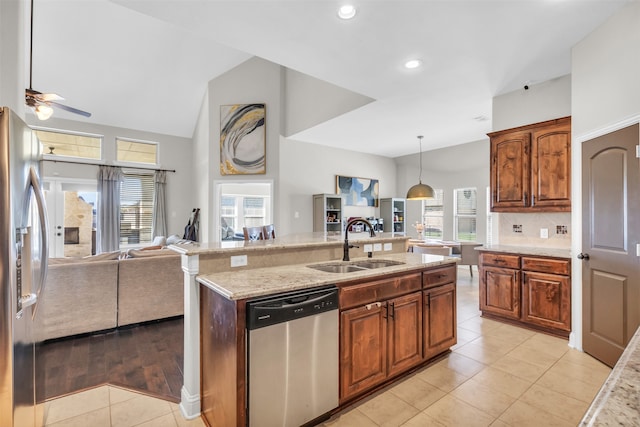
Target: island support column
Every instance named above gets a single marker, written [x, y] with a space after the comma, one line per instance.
[190, 393]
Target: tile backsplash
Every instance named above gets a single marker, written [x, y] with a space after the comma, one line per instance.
[524, 229]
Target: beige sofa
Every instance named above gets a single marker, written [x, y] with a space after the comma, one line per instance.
[94, 294]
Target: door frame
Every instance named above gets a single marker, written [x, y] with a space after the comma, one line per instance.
[575, 338]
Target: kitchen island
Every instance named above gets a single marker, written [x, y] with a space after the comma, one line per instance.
[217, 297]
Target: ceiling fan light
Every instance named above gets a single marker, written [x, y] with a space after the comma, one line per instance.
[43, 112]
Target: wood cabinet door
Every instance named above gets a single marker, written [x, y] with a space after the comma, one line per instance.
[500, 291]
[363, 345]
[404, 326]
[440, 331]
[546, 300]
[551, 168]
[510, 171]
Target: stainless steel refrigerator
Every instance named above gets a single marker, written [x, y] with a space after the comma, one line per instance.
[23, 267]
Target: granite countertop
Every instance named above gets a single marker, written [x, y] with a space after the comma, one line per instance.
[250, 283]
[618, 403]
[527, 250]
[291, 241]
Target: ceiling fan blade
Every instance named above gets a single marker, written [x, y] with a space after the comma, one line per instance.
[50, 97]
[70, 109]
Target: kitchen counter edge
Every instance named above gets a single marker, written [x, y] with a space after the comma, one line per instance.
[258, 282]
[527, 250]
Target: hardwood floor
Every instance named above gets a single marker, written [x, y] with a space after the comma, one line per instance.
[147, 358]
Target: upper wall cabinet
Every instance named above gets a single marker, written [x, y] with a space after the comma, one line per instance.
[531, 168]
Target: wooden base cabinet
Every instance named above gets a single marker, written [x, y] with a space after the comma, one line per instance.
[363, 343]
[440, 327]
[386, 329]
[534, 291]
[379, 340]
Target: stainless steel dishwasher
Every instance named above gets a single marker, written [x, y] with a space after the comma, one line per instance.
[292, 357]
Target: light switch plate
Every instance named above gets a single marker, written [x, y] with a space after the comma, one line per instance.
[368, 248]
[388, 246]
[377, 247]
[238, 261]
[544, 233]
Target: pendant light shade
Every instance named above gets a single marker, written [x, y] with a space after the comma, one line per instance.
[420, 191]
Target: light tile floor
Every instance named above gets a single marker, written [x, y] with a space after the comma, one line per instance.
[497, 374]
[109, 406]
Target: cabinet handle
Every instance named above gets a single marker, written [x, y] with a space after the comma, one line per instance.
[524, 199]
[441, 276]
[373, 304]
[427, 300]
[533, 200]
[393, 309]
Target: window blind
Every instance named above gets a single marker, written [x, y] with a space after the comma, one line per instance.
[136, 208]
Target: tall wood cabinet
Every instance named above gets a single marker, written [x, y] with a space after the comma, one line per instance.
[531, 290]
[328, 213]
[531, 167]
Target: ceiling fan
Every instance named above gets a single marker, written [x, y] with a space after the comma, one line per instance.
[42, 103]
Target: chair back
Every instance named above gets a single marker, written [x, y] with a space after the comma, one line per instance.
[433, 250]
[269, 232]
[253, 233]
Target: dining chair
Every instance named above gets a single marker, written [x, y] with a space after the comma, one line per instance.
[269, 232]
[253, 233]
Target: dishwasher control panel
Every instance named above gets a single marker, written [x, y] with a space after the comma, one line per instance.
[290, 306]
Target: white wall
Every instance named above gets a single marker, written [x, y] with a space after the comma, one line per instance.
[174, 153]
[605, 97]
[13, 63]
[460, 166]
[202, 181]
[542, 101]
[254, 81]
[307, 169]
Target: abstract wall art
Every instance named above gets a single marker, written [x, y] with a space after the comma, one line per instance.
[242, 139]
[358, 191]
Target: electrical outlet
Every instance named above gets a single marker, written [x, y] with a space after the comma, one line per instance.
[561, 229]
[517, 228]
[238, 261]
[377, 247]
[544, 233]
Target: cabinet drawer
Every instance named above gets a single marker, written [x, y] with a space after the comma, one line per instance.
[438, 276]
[546, 265]
[379, 290]
[500, 260]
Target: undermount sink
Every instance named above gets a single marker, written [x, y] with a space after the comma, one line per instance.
[341, 267]
[377, 263]
[337, 268]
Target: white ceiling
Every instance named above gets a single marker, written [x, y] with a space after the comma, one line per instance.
[145, 64]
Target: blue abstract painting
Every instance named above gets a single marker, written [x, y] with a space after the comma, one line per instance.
[358, 191]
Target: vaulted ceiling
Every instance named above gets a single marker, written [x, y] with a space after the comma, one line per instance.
[145, 64]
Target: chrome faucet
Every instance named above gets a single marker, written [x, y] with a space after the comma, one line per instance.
[347, 246]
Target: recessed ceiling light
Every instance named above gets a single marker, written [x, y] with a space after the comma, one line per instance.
[413, 63]
[347, 11]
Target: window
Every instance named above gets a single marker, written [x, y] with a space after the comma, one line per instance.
[131, 151]
[81, 146]
[432, 216]
[464, 211]
[136, 208]
[243, 205]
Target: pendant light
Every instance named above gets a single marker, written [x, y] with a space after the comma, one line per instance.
[420, 191]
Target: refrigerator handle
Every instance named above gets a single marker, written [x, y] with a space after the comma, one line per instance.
[34, 183]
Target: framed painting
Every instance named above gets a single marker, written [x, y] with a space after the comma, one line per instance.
[242, 139]
[358, 191]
